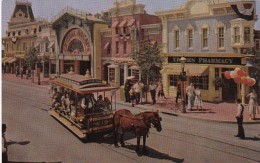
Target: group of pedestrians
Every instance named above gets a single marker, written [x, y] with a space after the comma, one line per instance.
[21, 72]
[193, 96]
[134, 93]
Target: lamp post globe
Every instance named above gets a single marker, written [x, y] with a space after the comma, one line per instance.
[183, 61]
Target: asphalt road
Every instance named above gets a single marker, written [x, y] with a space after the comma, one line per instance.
[35, 136]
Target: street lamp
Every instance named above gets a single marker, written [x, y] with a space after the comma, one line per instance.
[183, 78]
[38, 69]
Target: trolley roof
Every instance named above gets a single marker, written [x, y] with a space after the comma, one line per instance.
[81, 84]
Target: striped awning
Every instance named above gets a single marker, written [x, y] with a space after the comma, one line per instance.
[11, 60]
[191, 70]
[107, 45]
[5, 58]
[131, 22]
[115, 24]
[122, 24]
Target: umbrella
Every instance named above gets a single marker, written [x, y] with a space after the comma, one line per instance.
[130, 77]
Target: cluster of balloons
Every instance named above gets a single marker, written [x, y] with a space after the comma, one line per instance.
[240, 76]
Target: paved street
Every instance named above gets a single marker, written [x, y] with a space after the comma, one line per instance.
[37, 137]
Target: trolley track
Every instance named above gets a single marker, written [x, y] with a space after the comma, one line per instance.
[45, 105]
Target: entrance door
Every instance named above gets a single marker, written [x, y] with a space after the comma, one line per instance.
[229, 88]
[84, 65]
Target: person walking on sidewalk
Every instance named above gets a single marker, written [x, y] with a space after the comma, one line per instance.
[252, 105]
[160, 94]
[239, 117]
[128, 85]
[138, 89]
[132, 95]
[198, 100]
[153, 87]
[191, 93]
[21, 72]
[16, 71]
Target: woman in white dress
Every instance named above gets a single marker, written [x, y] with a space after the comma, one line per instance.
[252, 104]
[198, 101]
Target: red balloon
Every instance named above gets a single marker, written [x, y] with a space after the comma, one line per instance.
[227, 75]
[237, 79]
[240, 73]
[250, 82]
[243, 79]
[243, 73]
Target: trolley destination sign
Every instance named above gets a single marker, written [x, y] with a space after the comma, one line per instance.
[207, 60]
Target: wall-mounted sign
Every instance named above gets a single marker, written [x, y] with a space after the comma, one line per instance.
[207, 60]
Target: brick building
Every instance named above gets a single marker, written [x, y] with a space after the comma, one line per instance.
[130, 24]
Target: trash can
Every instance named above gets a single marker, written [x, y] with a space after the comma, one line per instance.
[122, 93]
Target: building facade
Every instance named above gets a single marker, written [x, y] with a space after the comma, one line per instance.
[214, 38]
[130, 24]
[78, 42]
[25, 32]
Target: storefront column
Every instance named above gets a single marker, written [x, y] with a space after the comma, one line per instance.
[114, 75]
[76, 67]
[211, 86]
[125, 72]
[61, 66]
[165, 84]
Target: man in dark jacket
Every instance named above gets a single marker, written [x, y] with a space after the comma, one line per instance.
[239, 117]
[128, 85]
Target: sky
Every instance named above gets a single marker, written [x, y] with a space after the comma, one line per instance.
[49, 8]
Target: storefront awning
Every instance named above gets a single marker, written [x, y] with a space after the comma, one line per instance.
[11, 60]
[5, 58]
[122, 24]
[51, 45]
[191, 70]
[107, 45]
[115, 24]
[131, 22]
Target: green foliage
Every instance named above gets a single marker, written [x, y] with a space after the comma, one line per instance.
[149, 60]
[31, 57]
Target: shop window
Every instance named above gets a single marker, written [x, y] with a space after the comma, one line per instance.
[190, 38]
[112, 75]
[117, 47]
[173, 79]
[237, 34]
[205, 38]
[216, 76]
[201, 81]
[177, 38]
[221, 37]
[247, 35]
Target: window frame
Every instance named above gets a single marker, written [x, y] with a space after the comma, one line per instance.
[205, 43]
[236, 34]
[247, 36]
[190, 38]
[176, 38]
[221, 37]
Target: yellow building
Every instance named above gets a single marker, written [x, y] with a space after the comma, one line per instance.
[214, 37]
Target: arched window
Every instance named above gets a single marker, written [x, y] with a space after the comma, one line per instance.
[76, 46]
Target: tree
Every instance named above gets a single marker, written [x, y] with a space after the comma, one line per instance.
[31, 57]
[149, 60]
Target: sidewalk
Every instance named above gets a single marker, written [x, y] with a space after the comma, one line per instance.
[222, 112]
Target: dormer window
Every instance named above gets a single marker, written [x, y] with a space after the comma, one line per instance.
[19, 33]
[13, 33]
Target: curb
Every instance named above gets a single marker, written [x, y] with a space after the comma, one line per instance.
[191, 117]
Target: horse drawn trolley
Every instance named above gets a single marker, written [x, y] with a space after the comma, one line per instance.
[80, 103]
